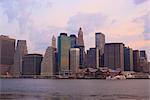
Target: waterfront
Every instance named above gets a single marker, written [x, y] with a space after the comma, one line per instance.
[48, 89]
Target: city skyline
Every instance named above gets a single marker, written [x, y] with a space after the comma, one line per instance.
[130, 25]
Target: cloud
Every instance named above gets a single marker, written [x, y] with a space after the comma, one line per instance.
[18, 14]
[147, 26]
[137, 2]
[145, 19]
[90, 22]
[36, 21]
[21, 10]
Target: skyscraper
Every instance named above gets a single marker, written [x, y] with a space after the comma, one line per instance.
[100, 43]
[80, 37]
[63, 52]
[74, 60]
[7, 50]
[80, 45]
[128, 59]
[143, 61]
[143, 54]
[114, 56]
[20, 51]
[48, 65]
[53, 42]
[136, 60]
[32, 64]
[92, 58]
[73, 39]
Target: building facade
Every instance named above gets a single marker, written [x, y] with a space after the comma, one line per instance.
[143, 61]
[80, 41]
[74, 60]
[114, 56]
[80, 45]
[73, 39]
[31, 64]
[7, 50]
[136, 61]
[92, 58]
[100, 43]
[21, 50]
[128, 59]
[64, 46]
[48, 66]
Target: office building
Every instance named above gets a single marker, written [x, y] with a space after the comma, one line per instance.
[136, 61]
[74, 60]
[73, 40]
[21, 50]
[114, 56]
[100, 43]
[128, 59]
[31, 64]
[143, 61]
[82, 56]
[64, 46]
[7, 50]
[48, 66]
[92, 58]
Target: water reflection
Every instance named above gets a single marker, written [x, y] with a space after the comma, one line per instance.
[28, 89]
[8, 96]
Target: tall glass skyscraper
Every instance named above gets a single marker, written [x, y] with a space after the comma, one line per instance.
[100, 43]
[64, 46]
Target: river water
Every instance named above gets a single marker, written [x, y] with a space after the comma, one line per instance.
[48, 89]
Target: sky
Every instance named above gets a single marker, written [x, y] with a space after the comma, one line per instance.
[36, 21]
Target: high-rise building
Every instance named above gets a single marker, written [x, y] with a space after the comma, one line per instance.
[63, 52]
[92, 58]
[80, 45]
[128, 59]
[53, 42]
[143, 61]
[80, 41]
[7, 50]
[73, 39]
[114, 56]
[82, 56]
[32, 64]
[136, 61]
[74, 60]
[20, 51]
[48, 66]
[143, 54]
[100, 43]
